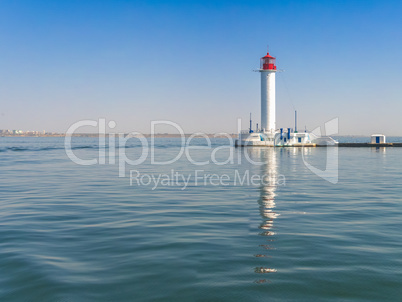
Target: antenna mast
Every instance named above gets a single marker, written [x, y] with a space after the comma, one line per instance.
[250, 124]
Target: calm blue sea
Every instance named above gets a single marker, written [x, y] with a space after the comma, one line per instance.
[258, 225]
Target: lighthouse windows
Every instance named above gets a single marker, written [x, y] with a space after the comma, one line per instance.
[268, 63]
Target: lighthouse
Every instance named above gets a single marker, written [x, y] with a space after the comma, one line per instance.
[268, 135]
[268, 70]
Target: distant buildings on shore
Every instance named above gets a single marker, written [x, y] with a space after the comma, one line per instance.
[26, 133]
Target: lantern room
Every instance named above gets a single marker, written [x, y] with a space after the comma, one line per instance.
[268, 62]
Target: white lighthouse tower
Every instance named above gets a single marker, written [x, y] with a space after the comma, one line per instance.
[268, 70]
[268, 135]
[265, 136]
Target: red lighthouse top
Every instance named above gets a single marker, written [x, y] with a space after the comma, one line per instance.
[268, 62]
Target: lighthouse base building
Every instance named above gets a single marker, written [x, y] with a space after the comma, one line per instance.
[279, 139]
[268, 135]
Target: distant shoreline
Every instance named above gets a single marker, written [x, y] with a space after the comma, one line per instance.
[159, 135]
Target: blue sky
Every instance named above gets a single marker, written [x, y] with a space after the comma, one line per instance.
[191, 62]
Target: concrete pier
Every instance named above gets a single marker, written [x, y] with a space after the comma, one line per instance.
[369, 145]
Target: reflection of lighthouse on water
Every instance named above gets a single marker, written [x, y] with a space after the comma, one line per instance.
[266, 203]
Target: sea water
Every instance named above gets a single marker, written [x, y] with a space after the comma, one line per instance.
[226, 224]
